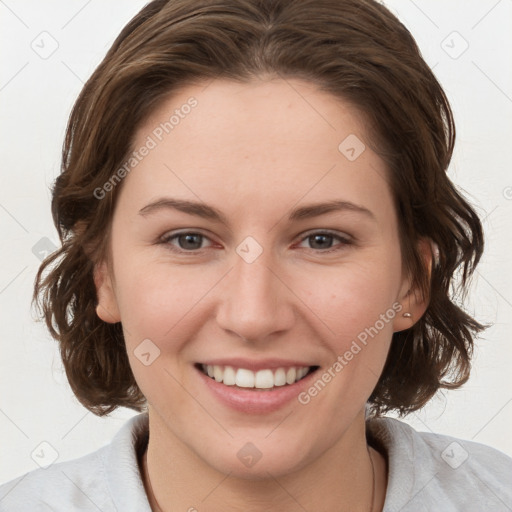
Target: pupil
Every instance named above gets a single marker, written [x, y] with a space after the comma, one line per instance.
[191, 241]
[321, 239]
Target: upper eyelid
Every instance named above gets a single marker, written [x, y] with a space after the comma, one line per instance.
[171, 235]
[339, 234]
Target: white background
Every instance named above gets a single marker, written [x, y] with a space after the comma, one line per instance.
[36, 95]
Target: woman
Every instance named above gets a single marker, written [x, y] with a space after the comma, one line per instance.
[259, 238]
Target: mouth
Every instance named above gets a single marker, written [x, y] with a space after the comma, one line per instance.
[265, 379]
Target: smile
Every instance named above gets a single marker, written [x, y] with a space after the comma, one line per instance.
[264, 379]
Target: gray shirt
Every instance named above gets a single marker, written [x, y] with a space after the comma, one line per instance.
[427, 472]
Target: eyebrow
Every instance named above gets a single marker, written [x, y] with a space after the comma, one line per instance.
[209, 212]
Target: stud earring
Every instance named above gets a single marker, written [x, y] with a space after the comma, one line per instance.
[407, 315]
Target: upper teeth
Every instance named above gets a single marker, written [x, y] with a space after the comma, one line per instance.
[262, 379]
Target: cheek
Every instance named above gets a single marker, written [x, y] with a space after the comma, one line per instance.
[155, 299]
[353, 297]
[358, 304]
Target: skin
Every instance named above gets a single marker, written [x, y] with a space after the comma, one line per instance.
[256, 151]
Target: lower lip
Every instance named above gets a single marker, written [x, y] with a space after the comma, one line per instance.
[252, 400]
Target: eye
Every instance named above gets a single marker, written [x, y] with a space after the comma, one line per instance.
[186, 241]
[191, 241]
[323, 241]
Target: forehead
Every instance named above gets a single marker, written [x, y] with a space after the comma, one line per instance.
[265, 118]
[278, 140]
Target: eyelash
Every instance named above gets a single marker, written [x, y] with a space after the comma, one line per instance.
[344, 241]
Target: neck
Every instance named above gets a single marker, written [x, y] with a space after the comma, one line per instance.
[351, 476]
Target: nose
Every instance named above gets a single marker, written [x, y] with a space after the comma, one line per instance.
[254, 301]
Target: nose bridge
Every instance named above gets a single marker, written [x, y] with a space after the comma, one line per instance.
[254, 302]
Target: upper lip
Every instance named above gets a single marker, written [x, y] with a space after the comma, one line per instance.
[251, 364]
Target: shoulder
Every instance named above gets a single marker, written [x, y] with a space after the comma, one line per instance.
[77, 483]
[107, 480]
[429, 471]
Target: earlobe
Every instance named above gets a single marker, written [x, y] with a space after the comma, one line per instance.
[106, 308]
[413, 301]
[413, 308]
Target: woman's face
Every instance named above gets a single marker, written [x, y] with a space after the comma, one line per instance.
[255, 235]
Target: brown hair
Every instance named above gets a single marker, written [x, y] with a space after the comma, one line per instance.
[354, 49]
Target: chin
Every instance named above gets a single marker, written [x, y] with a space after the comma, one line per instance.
[257, 461]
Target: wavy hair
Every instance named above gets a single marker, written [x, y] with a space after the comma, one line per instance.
[354, 49]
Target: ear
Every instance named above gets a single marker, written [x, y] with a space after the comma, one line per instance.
[413, 302]
[107, 308]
